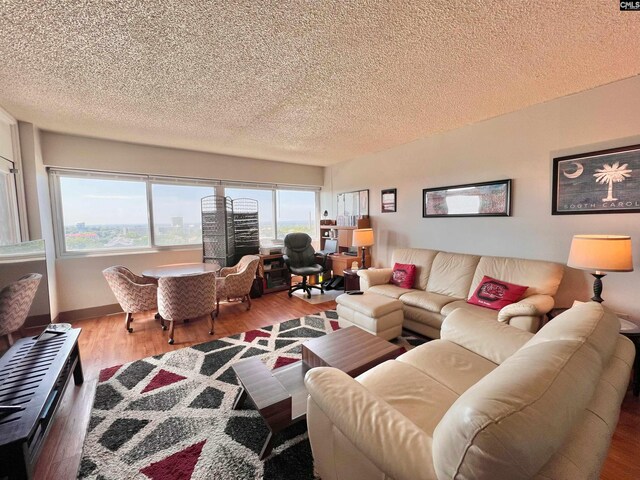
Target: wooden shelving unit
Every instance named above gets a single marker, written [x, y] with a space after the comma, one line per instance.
[344, 234]
[275, 274]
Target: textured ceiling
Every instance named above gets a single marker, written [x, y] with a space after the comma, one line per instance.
[312, 82]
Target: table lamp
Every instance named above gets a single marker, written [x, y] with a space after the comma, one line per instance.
[601, 253]
[363, 237]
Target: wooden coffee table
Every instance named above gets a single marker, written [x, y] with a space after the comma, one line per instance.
[280, 394]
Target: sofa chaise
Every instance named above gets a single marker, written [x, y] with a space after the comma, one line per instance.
[444, 281]
[486, 401]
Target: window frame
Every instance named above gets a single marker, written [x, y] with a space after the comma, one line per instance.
[219, 187]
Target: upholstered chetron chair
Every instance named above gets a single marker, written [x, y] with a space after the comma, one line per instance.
[236, 281]
[187, 297]
[133, 293]
[15, 302]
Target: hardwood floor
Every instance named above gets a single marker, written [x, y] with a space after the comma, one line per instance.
[105, 343]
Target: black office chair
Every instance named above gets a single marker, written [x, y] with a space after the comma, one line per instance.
[300, 258]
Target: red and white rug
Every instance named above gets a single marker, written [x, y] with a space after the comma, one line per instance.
[170, 417]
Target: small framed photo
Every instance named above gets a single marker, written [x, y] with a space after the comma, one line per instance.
[388, 198]
[606, 181]
[486, 199]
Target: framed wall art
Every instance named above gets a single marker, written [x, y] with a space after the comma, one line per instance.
[352, 206]
[388, 200]
[486, 199]
[606, 181]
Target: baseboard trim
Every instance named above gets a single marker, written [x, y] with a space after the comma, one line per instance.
[92, 312]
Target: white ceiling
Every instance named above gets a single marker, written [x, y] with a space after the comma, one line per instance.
[313, 82]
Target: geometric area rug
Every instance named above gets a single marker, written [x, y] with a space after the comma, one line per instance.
[170, 417]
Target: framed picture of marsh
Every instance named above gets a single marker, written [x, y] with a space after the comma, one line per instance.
[388, 200]
[606, 181]
[486, 199]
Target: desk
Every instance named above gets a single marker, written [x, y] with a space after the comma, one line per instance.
[340, 262]
[181, 270]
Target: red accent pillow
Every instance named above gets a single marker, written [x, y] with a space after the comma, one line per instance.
[403, 276]
[495, 294]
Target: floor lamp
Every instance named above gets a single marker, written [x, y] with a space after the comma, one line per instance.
[363, 237]
[601, 253]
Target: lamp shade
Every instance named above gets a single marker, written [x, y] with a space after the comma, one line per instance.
[363, 237]
[601, 253]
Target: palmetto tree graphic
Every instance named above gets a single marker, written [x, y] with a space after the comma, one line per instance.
[611, 174]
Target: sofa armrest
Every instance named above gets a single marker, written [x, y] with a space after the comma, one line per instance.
[374, 276]
[386, 437]
[492, 340]
[533, 306]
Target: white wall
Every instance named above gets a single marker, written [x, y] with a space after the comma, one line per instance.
[80, 281]
[71, 151]
[520, 146]
[36, 187]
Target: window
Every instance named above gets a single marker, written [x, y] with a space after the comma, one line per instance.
[265, 208]
[176, 213]
[296, 212]
[9, 224]
[100, 214]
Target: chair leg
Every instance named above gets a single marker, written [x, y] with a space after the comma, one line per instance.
[217, 306]
[248, 302]
[171, 332]
[10, 339]
[211, 318]
[127, 322]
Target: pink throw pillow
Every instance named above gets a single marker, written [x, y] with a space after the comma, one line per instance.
[495, 294]
[403, 275]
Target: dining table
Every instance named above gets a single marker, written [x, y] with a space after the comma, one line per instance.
[181, 270]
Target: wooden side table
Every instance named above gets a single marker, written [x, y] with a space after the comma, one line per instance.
[631, 334]
[351, 280]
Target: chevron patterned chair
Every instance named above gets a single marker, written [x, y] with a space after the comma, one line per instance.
[187, 297]
[236, 281]
[15, 303]
[133, 293]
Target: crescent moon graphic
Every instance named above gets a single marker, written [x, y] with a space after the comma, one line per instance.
[577, 173]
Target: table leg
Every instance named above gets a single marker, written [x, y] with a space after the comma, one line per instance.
[78, 377]
[636, 368]
[240, 399]
[267, 447]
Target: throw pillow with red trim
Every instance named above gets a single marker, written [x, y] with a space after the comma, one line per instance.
[495, 294]
[403, 276]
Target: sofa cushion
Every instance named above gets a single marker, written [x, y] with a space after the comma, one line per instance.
[501, 428]
[496, 294]
[439, 358]
[416, 395]
[388, 290]
[404, 275]
[451, 274]
[541, 277]
[483, 312]
[421, 258]
[432, 302]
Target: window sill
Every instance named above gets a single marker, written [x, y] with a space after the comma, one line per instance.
[123, 253]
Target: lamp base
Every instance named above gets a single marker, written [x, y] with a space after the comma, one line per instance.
[363, 267]
[597, 287]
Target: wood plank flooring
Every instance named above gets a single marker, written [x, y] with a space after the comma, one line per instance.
[105, 343]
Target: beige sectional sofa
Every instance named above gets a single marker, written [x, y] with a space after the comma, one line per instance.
[445, 280]
[486, 401]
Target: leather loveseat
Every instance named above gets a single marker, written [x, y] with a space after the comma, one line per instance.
[445, 280]
[486, 401]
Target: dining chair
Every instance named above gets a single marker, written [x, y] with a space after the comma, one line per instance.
[236, 281]
[15, 303]
[133, 292]
[187, 297]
